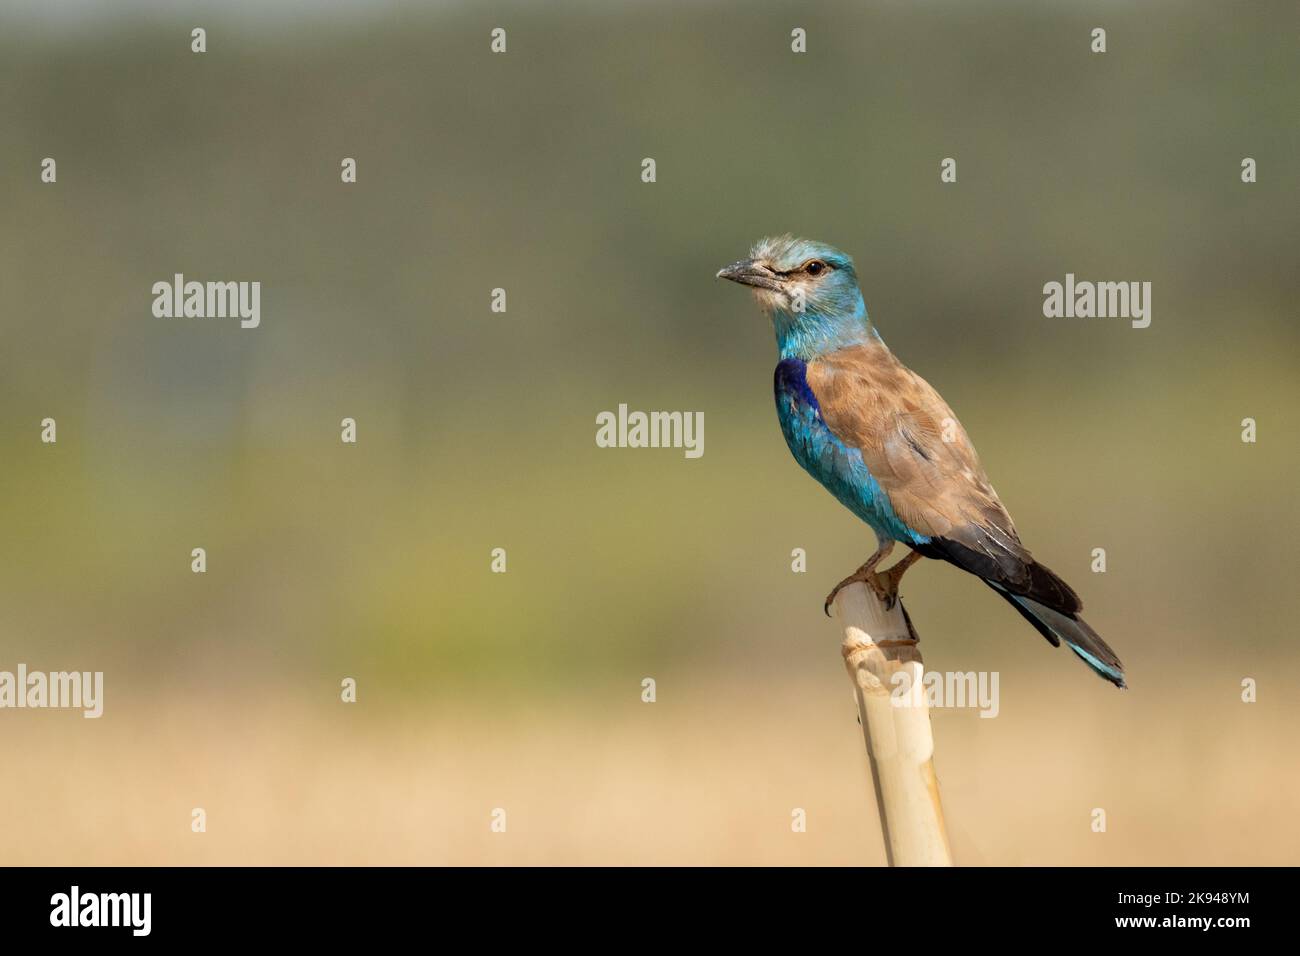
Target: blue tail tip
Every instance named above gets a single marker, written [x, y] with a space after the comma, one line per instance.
[1112, 674]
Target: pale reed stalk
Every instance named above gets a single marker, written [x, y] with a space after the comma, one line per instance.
[884, 662]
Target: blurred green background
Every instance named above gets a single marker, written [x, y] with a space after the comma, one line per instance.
[476, 429]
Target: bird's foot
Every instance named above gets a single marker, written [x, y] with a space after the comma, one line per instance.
[867, 577]
[864, 573]
[884, 584]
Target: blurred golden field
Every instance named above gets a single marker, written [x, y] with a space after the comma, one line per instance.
[708, 775]
[476, 430]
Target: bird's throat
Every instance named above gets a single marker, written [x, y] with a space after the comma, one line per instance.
[806, 335]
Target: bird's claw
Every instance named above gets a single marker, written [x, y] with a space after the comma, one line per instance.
[830, 598]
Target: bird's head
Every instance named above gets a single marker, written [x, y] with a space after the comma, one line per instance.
[809, 288]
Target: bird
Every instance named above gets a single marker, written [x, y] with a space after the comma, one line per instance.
[880, 439]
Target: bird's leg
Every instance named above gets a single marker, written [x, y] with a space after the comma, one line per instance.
[885, 583]
[866, 574]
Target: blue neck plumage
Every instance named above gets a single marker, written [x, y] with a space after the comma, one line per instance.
[806, 335]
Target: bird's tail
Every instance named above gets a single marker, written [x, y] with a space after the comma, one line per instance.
[1074, 630]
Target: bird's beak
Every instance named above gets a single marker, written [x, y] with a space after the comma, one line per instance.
[750, 272]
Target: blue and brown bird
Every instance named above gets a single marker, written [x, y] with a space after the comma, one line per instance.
[882, 441]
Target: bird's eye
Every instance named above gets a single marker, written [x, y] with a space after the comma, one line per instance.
[814, 267]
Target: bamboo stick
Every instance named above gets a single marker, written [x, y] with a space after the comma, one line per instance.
[878, 647]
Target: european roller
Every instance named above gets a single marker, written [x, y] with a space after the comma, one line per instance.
[882, 441]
